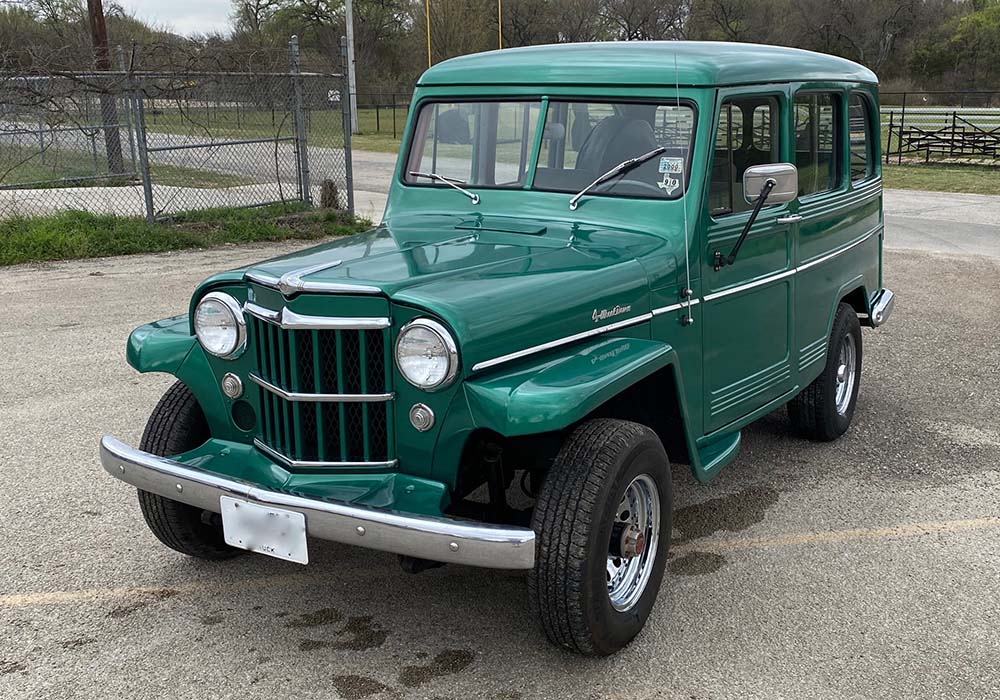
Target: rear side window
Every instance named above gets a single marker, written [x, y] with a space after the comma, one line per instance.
[861, 142]
[817, 142]
[746, 135]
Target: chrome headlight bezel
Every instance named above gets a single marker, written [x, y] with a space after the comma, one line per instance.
[451, 352]
[233, 307]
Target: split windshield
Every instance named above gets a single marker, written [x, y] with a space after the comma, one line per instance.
[492, 145]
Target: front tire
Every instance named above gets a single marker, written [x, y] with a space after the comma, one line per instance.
[602, 521]
[176, 425]
[823, 410]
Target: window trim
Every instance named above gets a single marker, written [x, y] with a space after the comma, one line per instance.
[781, 98]
[872, 161]
[839, 125]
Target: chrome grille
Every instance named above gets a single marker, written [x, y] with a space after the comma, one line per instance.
[323, 388]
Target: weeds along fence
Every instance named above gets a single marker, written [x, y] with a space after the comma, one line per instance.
[159, 142]
[925, 127]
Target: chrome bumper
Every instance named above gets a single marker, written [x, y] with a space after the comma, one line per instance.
[438, 539]
[881, 308]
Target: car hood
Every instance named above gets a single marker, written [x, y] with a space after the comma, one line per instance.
[501, 283]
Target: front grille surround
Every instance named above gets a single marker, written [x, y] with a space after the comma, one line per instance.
[324, 389]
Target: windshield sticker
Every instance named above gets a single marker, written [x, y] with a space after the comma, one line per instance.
[671, 166]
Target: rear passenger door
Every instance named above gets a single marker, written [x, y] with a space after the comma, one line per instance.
[748, 305]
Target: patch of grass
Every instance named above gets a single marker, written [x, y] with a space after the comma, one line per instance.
[972, 179]
[68, 168]
[77, 234]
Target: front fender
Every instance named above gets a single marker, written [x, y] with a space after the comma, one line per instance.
[565, 387]
[167, 346]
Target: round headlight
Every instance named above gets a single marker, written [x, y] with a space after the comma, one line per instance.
[426, 354]
[220, 326]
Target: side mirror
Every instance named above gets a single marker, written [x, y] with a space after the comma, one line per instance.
[784, 175]
[772, 184]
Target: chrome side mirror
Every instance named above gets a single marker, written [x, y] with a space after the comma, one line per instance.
[784, 175]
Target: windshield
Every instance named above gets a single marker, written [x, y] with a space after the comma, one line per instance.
[491, 145]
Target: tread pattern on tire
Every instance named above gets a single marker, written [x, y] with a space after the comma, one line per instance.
[177, 424]
[808, 410]
[565, 512]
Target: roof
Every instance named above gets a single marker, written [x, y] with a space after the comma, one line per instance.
[699, 63]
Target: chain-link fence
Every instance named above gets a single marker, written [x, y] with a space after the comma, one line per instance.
[923, 127]
[383, 110]
[159, 142]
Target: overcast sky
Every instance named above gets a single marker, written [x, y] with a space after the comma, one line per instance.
[182, 16]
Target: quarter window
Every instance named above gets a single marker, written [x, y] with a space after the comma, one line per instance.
[817, 142]
[747, 135]
[861, 145]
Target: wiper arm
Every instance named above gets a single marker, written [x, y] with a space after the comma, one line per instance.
[622, 167]
[451, 182]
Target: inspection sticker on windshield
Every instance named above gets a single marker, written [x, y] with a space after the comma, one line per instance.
[674, 166]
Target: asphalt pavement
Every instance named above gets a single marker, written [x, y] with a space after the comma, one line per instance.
[864, 568]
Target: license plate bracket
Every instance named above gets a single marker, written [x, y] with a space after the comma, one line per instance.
[275, 532]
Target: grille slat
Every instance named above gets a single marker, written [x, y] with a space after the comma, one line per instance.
[323, 361]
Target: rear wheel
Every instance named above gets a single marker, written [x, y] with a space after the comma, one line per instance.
[176, 425]
[602, 521]
[825, 408]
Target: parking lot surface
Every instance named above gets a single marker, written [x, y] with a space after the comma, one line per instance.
[869, 567]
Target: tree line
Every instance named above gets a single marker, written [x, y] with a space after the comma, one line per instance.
[911, 44]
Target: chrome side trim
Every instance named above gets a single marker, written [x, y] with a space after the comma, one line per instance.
[267, 280]
[749, 285]
[839, 251]
[675, 307]
[302, 463]
[485, 364]
[435, 538]
[288, 319]
[319, 398]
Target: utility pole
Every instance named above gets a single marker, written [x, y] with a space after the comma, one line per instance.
[500, 23]
[109, 109]
[349, 11]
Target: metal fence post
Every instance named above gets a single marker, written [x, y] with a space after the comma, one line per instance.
[140, 136]
[300, 124]
[345, 104]
[126, 93]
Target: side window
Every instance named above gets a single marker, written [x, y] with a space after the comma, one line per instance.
[817, 142]
[861, 143]
[747, 135]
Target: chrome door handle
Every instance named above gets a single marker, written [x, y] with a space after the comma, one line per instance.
[791, 219]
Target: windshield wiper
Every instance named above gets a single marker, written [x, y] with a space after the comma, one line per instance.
[450, 181]
[622, 167]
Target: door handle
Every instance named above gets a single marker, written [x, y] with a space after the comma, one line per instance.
[791, 219]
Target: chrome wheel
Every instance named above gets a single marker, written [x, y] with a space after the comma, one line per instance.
[846, 369]
[632, 549]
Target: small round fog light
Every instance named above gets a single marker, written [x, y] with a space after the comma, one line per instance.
[421, 417]
[232, 386]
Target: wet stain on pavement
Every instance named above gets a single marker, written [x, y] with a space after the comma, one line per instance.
[357, 687]
[732, 513]
[697, 564]
[359, 634]
[211, 619]
[446, 663]
[8, 667]
[126, 610]
[77, 643]
[326, 616]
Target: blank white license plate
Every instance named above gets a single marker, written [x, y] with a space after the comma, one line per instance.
[265, 530]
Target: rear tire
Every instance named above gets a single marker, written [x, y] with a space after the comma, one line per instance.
[177, 425]
[823, 410]
[595, 580]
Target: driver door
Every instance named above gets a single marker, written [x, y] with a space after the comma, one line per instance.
[748, 305]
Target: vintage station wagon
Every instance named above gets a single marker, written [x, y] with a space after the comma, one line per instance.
[595, 259]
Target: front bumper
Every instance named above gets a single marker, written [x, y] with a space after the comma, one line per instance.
[426, 537]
